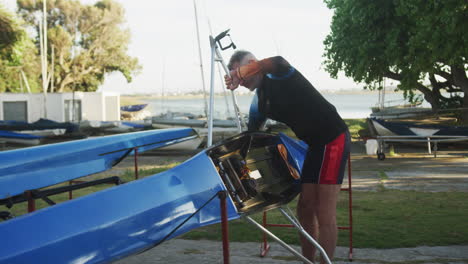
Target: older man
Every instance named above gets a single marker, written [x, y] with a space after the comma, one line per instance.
[283, 94]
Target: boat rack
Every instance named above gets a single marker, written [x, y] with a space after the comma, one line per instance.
[381, 140]
[265, 246]
[31, 195]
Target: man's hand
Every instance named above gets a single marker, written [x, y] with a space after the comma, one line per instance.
[232, 82]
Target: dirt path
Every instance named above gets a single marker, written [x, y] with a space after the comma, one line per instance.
[411, 169]
[210, 252]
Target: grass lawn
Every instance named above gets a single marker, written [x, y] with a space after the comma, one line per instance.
[384, 219]
[354, 125]
[129, 100]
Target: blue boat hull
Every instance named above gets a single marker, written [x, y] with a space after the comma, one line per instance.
[126, 219]
[42, 166]
[133, 108]
[116, 222]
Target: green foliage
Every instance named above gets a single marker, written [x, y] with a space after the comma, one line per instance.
[86, 42]
[17, 55]
[9, 30]
[355, 126]
[422, 44]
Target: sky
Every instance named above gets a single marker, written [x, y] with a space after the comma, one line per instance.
[164, 39]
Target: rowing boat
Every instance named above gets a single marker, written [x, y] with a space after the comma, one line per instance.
[42, 166]
[387, 128]
[19, 138]
[126, 219]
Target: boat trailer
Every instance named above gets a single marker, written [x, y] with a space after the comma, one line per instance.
[435, 139]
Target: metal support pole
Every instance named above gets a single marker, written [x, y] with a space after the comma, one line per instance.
[200, 58]
[378, 146]
[224, 225]
[265, 246]
[216, 56]
[135, 157]
[304, 233]
[429, 145]
[350, 212]
[281, 242]
[211, 111]
[239, 120]
[31, 202]
[70, 193]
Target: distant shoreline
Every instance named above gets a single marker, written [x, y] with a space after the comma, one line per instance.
[200, 95]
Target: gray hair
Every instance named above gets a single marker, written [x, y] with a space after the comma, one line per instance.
[237, 57]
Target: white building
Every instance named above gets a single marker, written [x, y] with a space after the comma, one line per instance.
[60, 107]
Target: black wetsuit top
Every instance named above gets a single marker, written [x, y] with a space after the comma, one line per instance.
[288, 97]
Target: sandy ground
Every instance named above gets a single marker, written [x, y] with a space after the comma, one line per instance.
[410, 169]
[210, 252]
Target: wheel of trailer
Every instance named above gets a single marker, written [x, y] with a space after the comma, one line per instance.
[380, 156]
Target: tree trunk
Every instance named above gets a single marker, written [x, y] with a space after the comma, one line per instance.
[464, 112]
[64, 82]
[460, 79]
[431, 98]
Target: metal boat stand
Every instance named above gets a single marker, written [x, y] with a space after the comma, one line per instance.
[265, 247]
[301, 230]
[215, 43]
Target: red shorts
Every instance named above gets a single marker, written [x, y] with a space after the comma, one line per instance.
[326, 164]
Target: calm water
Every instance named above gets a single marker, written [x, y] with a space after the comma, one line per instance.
[348, 105]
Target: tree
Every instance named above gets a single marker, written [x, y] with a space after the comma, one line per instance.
[9, 32]
[17, 55]
[420, 43]
[85, 41]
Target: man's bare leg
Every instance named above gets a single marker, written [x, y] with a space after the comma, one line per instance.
[326, 216]
[307, 214]
[317, 214]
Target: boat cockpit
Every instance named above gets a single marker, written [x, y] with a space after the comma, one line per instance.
[255, 170]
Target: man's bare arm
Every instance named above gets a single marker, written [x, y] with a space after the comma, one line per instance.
[274, 65]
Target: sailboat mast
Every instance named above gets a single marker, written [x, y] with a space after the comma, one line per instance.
[163, 83]
[201, 60]
[43, 45]
[383, 93]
